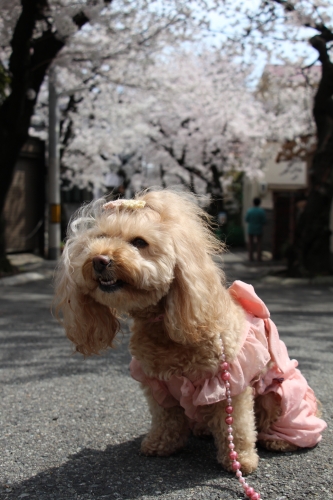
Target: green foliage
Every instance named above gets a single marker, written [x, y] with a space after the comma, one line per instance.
[232, 234]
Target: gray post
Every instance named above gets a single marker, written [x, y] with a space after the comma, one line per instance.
[54, 171]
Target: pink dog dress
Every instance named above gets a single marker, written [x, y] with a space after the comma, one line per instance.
[298, 423]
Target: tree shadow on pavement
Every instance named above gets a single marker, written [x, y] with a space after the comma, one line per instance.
[28, 356]
[121, 472]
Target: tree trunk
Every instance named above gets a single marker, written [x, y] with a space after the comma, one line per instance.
[28, 64]
[313, 229]
[215, 189]
[313, 232]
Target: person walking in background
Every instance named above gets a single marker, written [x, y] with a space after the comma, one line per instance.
[256, 218]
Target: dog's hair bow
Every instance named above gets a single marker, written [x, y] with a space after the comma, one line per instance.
[121, 203]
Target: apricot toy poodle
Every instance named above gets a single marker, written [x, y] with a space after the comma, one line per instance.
[208, 358]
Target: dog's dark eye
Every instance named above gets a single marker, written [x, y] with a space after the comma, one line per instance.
[139, 243]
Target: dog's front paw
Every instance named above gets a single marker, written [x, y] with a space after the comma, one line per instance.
[277, 445]
[162, 444]
[248, 460]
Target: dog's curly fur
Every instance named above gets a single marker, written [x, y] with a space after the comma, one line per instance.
[160, 262]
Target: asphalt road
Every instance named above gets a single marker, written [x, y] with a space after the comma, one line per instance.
[71, 428]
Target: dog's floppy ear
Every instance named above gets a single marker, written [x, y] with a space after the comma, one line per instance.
[89, 325]
[195, 301]
[192, 306]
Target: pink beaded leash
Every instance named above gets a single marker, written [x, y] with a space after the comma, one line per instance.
[233, 455]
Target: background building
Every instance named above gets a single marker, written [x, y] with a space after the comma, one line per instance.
[283, 191]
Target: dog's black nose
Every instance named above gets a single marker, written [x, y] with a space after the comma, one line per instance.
[101, 262]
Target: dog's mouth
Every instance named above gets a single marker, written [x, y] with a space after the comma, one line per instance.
[110, 285]
[104, 273]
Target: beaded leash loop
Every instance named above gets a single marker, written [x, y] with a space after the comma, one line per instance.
[233, 455]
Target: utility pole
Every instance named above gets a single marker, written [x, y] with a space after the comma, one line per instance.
[54, 171]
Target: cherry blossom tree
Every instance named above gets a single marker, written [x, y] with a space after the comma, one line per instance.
[204, 129]
[85, 37]
[286, 92]
[182, 123]
[160, 124]
[290, 30]
[273, 28]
